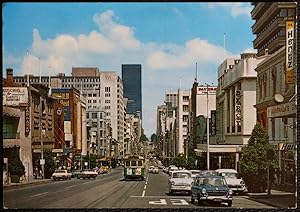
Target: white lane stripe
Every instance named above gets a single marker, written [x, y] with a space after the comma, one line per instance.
[143, 194]
[70, 186]
[145, 187]
[86, 183]
[39, 194]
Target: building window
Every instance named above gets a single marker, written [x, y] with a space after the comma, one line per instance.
[94, 101]
[94, 115]
[87, 115]
[94, 95]
[185, 108]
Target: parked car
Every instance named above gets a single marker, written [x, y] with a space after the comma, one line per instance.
[208, 172]
[87, 174]
[210, 188]
[61, 174]
[231, 177]
[195, 173]
[74, 173]
[180, 181]
[155, 170]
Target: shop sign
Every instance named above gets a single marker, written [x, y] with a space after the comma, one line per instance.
[238, 110]
[14, 96]
[204, 89]
[27, 121]
[281, 110]
[290, 52]
[285, 146]
[213, 122]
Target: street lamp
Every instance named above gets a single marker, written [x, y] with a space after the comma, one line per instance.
[42, 134]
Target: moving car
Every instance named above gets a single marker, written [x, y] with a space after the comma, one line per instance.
[61, 174]
[153, 170]
[208, 172]
[171, 169]
[180, 181]
[195, 173]
[87, 174]
[211, 188]
[75, 173]
[231, 177]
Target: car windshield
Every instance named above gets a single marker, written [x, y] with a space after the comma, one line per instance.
[212, 181]
[195, 172]
[181, 175]
[60, 171]
[229, 174]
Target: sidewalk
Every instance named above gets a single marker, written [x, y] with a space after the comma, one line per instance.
[24, 183]
[278, 199]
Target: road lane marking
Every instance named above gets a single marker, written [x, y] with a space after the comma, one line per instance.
[179, 202]
[159, 202]
[145, 187]
[70, 186]
[143, 193]
[86, 183]
[167, 197]
[39, 194]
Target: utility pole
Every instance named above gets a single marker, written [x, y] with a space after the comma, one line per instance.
[207, 128]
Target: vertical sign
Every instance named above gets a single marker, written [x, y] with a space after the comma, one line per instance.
[213, 122]
[290, 50]
[238, 111]
[27, 120]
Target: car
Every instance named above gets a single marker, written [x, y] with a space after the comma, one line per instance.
[75, 173]
[208, 172]
[231, 177]
[155, 170]
[195, 173]
[87, 174]
[61, 174]
[180, 181]
[171, 169]
[211, 188]
[151, 169]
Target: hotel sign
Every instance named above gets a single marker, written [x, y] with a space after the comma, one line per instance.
[282, 110]
[15, 96]
[286, 146]
[290, 52]
[238, 110]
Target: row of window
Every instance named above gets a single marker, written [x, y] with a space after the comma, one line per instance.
[81, 80]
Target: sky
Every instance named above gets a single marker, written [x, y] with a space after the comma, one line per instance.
[167, 39]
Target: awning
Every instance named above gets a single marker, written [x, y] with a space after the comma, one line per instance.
[10, 111]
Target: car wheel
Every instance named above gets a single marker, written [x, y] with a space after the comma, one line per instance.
[229, 203]
[199, 200]
[54, 179]
[192, 200]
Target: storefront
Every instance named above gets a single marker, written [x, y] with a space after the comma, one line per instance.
[282, 133]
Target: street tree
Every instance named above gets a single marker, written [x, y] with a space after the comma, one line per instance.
[255, 160]
[178, 161]
[153, 137]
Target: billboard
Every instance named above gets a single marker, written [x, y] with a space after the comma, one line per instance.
[64, 98]
[204, 89]
[15, 96]
[290, 52]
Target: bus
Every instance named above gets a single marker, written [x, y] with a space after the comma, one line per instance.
[134, 167]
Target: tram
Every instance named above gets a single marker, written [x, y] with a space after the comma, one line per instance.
[134, 167]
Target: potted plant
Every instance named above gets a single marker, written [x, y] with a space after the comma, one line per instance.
[15, 166]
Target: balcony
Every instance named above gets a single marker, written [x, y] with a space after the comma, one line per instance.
[261, 39]
[269, 13]
[274, 46]
[257, 9]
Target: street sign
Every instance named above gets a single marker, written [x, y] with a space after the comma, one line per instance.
[42, 161]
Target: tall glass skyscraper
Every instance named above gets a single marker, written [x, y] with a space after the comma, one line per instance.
[132, 87]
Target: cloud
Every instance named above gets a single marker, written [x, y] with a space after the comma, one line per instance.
[236, 9]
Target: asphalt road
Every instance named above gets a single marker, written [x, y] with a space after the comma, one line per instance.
[108, 191]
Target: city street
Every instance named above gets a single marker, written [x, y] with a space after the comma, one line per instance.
[108, 191]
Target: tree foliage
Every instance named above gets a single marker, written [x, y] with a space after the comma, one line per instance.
[143, 138]
[254, 161]
[15, 165]
[49, 163]
[178, 161]
[153, 137]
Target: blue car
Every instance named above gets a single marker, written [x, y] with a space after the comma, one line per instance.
[210, 188]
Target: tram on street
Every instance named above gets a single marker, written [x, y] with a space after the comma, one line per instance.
[134, 167]
[104, 164]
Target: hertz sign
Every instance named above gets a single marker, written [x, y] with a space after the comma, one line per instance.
[290, 52]
[285, 146]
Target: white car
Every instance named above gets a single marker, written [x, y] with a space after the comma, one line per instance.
[61, 174]
[153, 170]
[235, 183]
[195, 173]
[171, 169]
[87, 174]
[180, 181]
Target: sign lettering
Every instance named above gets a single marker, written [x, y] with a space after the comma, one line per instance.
[290, 52]
[238, 108]
[27, 121]
[179, 202]
[159, 202]
[14, 96]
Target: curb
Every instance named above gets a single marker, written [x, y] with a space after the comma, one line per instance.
[9, 187]
[267, 202]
